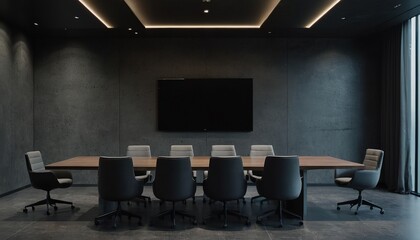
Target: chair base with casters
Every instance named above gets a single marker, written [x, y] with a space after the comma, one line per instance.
[145, 199]
[174, 212]
[227, 212]
[279, 211]
[359, 201]
[116, 213]
[49, 202]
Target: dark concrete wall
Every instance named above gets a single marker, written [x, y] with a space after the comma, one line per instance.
[311, 96]
[16, 108]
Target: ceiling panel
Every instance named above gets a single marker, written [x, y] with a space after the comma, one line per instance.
[289, 17]
[199, 13]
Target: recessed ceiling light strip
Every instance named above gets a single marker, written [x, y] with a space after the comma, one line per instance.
[268, 11]
[202, 26]
[91, 9]
[328, 8]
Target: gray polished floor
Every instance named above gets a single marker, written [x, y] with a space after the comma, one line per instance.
[400, 221]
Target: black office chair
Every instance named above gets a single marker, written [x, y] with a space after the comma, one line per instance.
[174, 183]
[46, 180]
[184, 151]
[223, 151]
[116, 182]
[145, 176]
[226, 182]
[280, 181]
[362, 179]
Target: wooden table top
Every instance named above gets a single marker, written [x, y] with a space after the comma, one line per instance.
[202, 163]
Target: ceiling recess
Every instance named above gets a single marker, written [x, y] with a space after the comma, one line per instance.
[224, 14]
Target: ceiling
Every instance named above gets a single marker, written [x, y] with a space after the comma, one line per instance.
[348, 18]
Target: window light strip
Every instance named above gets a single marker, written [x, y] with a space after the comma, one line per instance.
[108, 25]
[322, 14]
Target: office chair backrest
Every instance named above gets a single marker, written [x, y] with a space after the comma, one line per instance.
[173, 180]
[373, 159]
[116, 181]
[34, 161]
[139, 151]
[223, 150]
[261, 150]
[225, 179]
[182, 151]
[281, 177]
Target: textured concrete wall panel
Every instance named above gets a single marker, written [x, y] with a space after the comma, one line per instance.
[16, 108]
[76, 100]
[311, 96]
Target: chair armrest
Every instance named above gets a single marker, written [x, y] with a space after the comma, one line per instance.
[251, 175]
[62, 174]
[143, 178]
[146, 177]
[364, 179]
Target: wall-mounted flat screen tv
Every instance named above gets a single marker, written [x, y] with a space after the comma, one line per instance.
[216, 104]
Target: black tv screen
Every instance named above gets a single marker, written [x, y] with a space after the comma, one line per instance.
[205, 104]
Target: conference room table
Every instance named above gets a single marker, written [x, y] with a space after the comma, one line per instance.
[298, 206]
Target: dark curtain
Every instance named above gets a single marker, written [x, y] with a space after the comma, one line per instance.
[394, 116]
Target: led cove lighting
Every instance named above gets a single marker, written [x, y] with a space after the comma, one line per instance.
[103, 21]
[273, 5]
[202, 26]
[322, 14]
